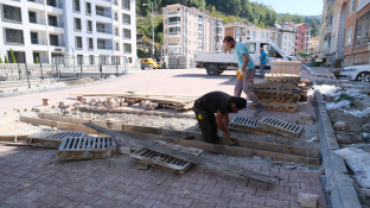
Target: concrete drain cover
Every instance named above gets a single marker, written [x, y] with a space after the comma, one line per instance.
[86, 148]
[51, 138]
[160, 160]
[246, 124]
[281, 127]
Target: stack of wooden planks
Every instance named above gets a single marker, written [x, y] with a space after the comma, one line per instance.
[278, 96]
[176, 102]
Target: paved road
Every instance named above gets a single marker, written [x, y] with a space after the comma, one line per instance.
[182, 82]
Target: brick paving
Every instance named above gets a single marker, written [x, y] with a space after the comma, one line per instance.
[32, 177]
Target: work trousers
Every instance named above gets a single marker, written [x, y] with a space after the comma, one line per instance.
[207, 124]
[246, 85]
[262, 69]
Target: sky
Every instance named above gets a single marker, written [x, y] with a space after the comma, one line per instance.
[301, 7]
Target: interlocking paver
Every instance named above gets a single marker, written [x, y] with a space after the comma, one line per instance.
[105, 203]
[124, 197]
[34, 195]
[181, 201]
[160, 204]
[141, 192]
[198, 204]
[269, 193]
[164, 198]
[142, 202]
[254, 199]
[214, 191]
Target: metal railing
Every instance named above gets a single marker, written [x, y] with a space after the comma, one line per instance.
[174, 33]
[54, 43]
[103, 30]
[56, 23]
[37, 41]
[39, 21]
[58, 4]
[104, 46]
[174, 43]
[174, 13]
[37, 1]
[16, 40]
[103, 14]
[362, 41]
[174, 22]
[12, 17]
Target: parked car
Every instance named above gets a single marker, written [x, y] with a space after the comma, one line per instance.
[150, 63]
[359, 73]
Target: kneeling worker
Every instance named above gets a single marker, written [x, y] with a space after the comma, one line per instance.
[216, 102]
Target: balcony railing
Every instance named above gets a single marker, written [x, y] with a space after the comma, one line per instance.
[362, 41]
[174, 33]
[102, 30]
[104, 46]
[37, 1]
[176, 43]
[177, 13]
[200, 21]
[37, 41]
[173, 53]
[56, 23]
[14, 40]
[58, 4]
[39, 21]
[220, 23]
[55, 43]
[103, 14]
[174, 22]
[12, 17]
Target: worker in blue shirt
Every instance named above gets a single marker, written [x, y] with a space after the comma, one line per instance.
[245, 73]
[263, 62]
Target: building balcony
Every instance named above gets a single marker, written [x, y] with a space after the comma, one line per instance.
[362, 41]
[37, 1]
[55, 3]
[56, 24]
[219, 32]
[37, 41]
[327, 30]
[102, 30]
[39, 21]
[174, 34]
[174, 44]
[104, 46]
[329, 3]
[200, 20]
[103, 14]
[174, 14]
[174, 23]
[57, 43]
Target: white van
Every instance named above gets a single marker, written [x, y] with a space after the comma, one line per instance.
[215, 63]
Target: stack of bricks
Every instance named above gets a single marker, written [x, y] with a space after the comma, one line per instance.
[284, 71]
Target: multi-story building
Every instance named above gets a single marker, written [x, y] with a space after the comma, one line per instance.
[186, 31]
[314, 47]
[287, 37]
[82, 28]
[302, 38]
[241, 32]
[357, 39]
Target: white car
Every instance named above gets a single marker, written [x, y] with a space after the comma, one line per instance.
[359, 73]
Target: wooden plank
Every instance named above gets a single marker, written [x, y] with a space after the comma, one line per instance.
[189, 157]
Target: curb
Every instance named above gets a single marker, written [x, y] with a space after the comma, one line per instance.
[14, 94]
[310, 72]
[339, 185]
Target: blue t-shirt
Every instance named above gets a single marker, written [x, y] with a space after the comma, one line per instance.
[263, 56]
[239, 50]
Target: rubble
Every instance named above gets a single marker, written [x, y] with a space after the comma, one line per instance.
[308, 200]
[340, 125]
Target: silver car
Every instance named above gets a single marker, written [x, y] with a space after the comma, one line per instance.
[359, 73]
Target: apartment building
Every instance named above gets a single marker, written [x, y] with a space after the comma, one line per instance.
[82, 28]
[240, 32]
[356, 36]
[186, 31]
[287, 37]
[314, 46]
[302, 38]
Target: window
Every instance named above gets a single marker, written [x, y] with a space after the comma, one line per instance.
[54, 40]
[91, 60]
[89, 26]
[20, 57]
[91, 44]
[32, 17]
[76, 5]
[35, 57]
[167, 41]
[363, 28]
[116, 31]
[195, 24]
[189, 33]
[262, 34]
[349, 36]
[126, 19]
[116, 16]
[12, 13]
[88, 8]
[244, 32]
[78, 43]
[80, 60]
[189, 51]
[127, 47]
[53, 21]
[129, 60]
[14, 36]
[126, 33]
[126, 4]
[254, 33]
[34, 38]
[195, 33]
[251, 48]
[352, 6]
[78, 24]
[117, 46]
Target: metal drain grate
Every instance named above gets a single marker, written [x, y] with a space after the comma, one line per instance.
[87, 147]
[160, 160]
[51, 138]
[281, 127]
[246, 124]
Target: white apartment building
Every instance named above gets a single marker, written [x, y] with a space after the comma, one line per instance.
[184, 32]
[286, 37]
[241, 32]
[82, 28]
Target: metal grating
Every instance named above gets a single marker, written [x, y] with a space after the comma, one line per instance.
[246, 124]
[281, 127]
[51, 138]
[87, 147]
[160, 160]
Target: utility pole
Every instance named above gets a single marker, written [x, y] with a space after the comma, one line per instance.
[204, 31]
[152, 25]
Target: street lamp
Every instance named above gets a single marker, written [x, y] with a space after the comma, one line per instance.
[152, 25]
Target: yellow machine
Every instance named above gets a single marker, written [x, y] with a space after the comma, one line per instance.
[150, 63]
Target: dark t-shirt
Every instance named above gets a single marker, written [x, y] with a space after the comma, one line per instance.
[213, 102]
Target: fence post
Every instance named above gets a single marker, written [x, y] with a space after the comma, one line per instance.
[19, 71]
[56, 67]
[101, 71]
[28, 76]
[42, 72]
[81, 70]
[117, 69]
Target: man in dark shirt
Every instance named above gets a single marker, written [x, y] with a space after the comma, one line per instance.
[216, 102]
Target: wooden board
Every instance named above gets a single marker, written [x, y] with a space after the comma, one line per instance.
[191, 158]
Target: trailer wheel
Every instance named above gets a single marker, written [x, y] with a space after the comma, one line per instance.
[212, 69]
[219, 72]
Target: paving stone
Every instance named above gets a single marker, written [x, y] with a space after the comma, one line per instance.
[164, 198]
[107, 185]
[254, 199]
[105, 203]
[214, 191]
[124, 197]
[70, 194]
[237, 204]
[219, 200]
[272, 202]
[234, 195]
[201, 204]
[245, 189]
[258, 185]
[142, 202]
[180, 201]
[223, 185]
[158, 187]
[287, 197]
[141, 192]
[89, 189]
[108, 194]
[160, 204]
[87, 199]
[268, 193]
[192, 187]
[123, 180]
[34, 195]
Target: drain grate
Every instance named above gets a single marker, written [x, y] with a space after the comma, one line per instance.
[86, 148]
[246, 124]
[281, 127]
[160, 160]
[51, 138]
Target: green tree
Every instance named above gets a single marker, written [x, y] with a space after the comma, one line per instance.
[1, 61]
[5, 59]
[12, 57]
[37, 60]
[315, 27]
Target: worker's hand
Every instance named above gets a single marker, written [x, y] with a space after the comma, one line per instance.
[237, 73]
[240, 76]
[227, 136]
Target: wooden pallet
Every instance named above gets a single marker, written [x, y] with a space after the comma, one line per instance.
[275, 85]
[276, 91]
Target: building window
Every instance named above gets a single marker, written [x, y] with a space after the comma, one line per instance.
[54, 40]
[126, 19]
[76, 5]
[78, 26]
[262, 34]
[78, 42]
[126, 4]
[88, 8]
[32, 17]
[349, 36]
[19, 56]
[167, 41]
[12, 13]
[80, 60]
[117, 46]
[89, 26]
[126, 33]
[91, 44]
[91, 60]
[116, 16]
[127, 47]
[14, 36]
[363, 28]
[352, 6]
[254, 33]
[116, 31]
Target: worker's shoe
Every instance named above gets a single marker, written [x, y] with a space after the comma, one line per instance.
[259, 109]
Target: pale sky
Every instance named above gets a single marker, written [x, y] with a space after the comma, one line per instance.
[301, 7]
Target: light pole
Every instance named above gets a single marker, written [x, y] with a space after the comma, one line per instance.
[152, 25]
[204, 30]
